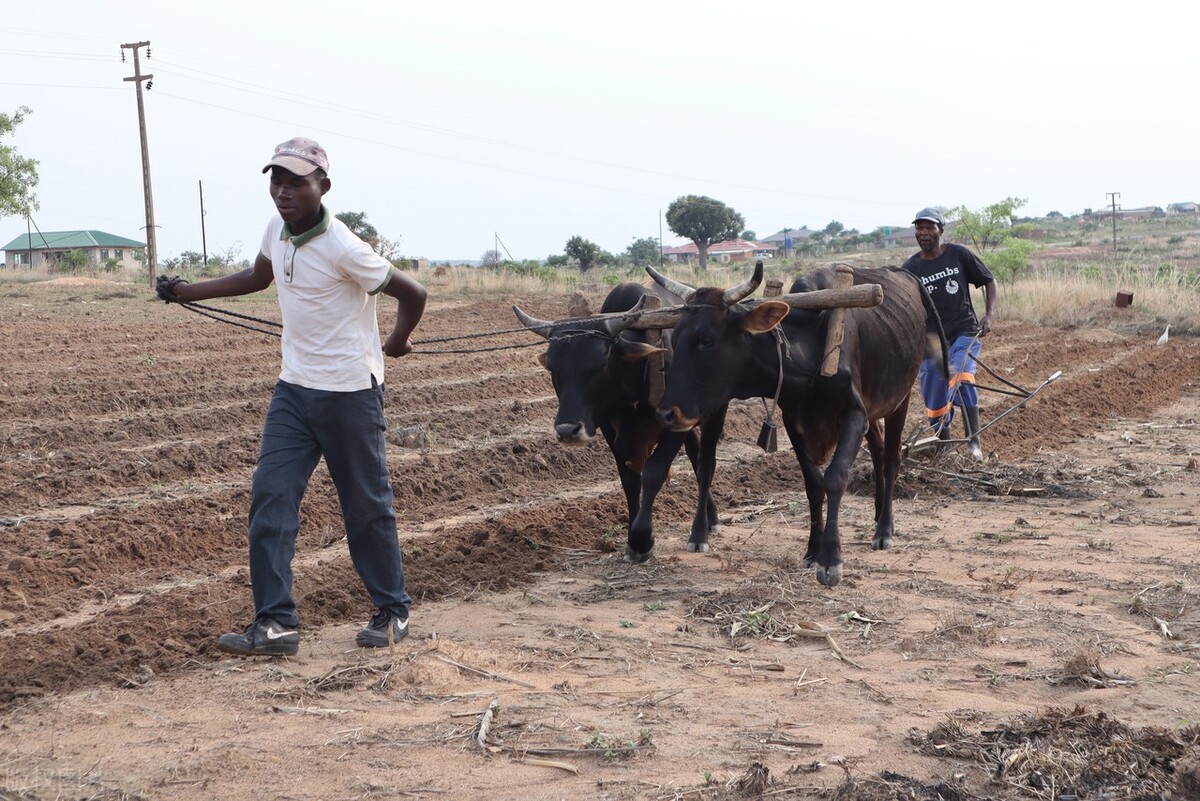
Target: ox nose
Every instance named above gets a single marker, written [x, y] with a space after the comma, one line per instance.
[672, 417]
[571, 432]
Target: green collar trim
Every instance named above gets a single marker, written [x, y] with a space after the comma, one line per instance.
[312, 233]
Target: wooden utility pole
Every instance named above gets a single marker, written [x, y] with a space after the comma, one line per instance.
[1114, 196]
[203, 235]
[137, 78]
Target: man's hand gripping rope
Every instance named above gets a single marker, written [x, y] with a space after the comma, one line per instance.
[165, 285]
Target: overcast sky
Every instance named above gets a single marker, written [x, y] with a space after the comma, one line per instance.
[453, 123]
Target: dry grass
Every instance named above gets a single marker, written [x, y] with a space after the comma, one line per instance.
[1064, 293]
[1076, 300]
[1076, 752]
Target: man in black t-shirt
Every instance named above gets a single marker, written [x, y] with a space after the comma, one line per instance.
[946, 270]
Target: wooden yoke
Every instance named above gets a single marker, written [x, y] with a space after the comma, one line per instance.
[855, 297]
[843, 279]
[656, 365]
[773, 288]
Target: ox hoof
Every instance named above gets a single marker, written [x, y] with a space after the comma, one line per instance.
[697, 547]
[881, 543]
[715, 528]
[637, 558]
[829, 576]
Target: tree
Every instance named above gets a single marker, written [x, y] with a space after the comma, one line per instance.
[490, 259]
[988, 228]
[643, 251]
[704, 221]
[18, 174]
[833, 229]
[583, 251]
[749, 235]
[389, 249]
[356, 221]
[995, 228]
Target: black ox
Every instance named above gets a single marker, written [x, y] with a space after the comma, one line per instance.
[601, 373]
[725, 349]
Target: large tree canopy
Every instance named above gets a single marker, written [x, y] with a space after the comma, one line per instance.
[704, 221]
[643, 251]
[18, 174]
[583, 250]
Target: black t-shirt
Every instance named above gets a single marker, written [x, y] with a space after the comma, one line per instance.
[946, 278]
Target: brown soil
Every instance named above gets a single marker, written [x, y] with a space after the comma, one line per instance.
[1045, 579]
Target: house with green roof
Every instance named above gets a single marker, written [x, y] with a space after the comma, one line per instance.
[46, 250]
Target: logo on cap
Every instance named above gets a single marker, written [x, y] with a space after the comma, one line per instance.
[299, 156]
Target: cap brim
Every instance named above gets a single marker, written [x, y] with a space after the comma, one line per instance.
[292, 164]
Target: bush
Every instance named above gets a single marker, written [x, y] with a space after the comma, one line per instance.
[1009, 261]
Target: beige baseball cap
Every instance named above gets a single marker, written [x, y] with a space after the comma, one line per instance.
[299, 156]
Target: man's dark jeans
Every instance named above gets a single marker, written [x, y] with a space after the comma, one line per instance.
[347, 428]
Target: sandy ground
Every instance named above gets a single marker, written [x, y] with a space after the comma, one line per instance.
[1056, 579]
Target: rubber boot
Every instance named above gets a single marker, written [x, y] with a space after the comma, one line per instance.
[971, 419]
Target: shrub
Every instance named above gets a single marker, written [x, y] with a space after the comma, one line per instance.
[1009, 261]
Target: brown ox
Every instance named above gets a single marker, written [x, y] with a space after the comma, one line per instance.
[726, 350]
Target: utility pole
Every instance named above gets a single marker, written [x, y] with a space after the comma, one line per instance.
[137, 78]
[203, 236]
[660, 246]
[1114, 196]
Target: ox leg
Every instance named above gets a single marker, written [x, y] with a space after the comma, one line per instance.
[654, 475]
[631, 483]
[875, 437]
[709, 523]
[814, 489]
[885, 493]
[705, 519]
[837, 475]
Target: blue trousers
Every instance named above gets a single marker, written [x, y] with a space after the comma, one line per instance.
[347, 428]
[941, 397]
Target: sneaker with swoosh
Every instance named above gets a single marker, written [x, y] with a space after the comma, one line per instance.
[263, 637]
[384, 628]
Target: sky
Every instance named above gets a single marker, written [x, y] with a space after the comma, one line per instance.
[460, 127]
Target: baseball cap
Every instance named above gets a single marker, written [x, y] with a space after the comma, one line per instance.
[299, 156]
[931, 214]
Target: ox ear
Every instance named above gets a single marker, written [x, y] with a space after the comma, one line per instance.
[541, 359]
[632, 351]
[765, 316]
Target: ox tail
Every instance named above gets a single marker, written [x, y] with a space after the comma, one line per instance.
[935, 335]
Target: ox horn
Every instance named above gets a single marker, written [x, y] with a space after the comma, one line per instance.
[539, 327]
[745, 288]
[682, 290]
[615, 325]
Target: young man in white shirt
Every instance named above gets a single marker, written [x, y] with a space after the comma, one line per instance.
[328, 401]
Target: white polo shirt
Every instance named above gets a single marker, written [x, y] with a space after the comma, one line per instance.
[327, 280]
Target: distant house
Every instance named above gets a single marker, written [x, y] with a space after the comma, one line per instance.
[898, 236]
[1183, 208]
[729, 250]
[45, 250]
[797, 235]
[1142, 213]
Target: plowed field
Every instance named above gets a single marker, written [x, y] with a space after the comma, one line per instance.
[1047, 578]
